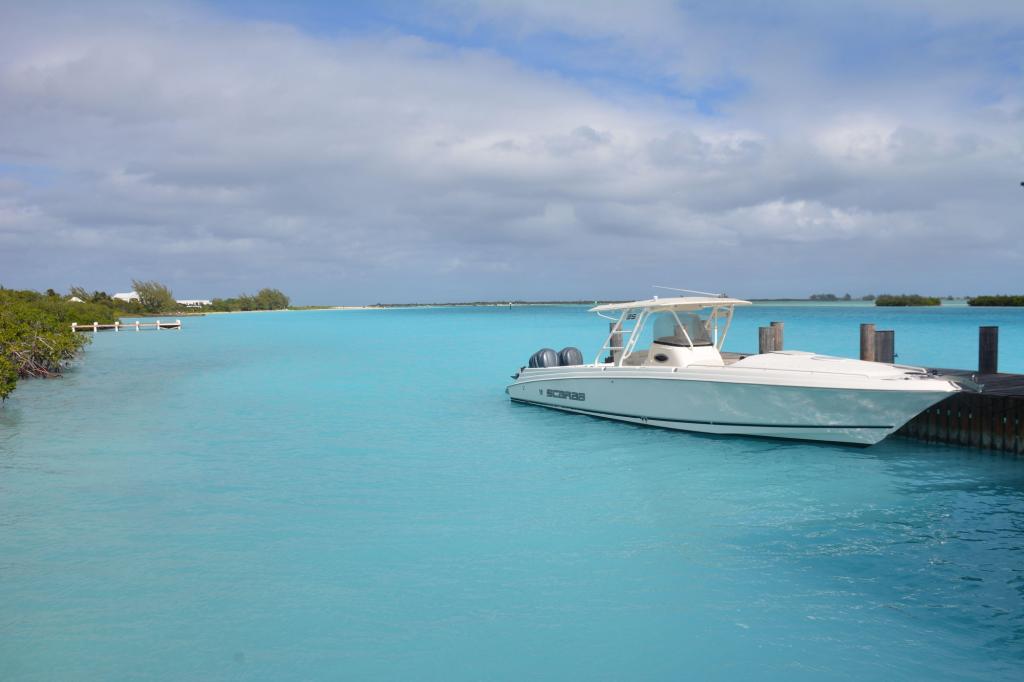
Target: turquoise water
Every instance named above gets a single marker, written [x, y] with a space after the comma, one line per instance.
[350, 495]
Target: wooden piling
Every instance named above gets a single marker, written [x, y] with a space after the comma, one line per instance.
[976, 419]
[984, 409]
[1012, 437]
[885, 346]
[998, 421]
[765, 339]
[963, 435]
[777, 329]
[867, 342]
[988, 350]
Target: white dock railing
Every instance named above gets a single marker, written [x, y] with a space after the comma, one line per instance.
[118, 326]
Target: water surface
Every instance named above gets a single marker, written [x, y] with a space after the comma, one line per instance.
[349, 494]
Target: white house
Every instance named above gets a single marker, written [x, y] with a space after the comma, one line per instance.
[75, 299]
[195, 302]
[127, 298]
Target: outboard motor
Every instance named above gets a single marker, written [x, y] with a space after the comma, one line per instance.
[545, 357]
[569, 356]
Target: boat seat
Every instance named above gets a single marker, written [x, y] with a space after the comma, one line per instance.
[637, 358]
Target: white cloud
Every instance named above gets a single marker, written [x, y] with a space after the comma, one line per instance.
[384, 165]
[801, 221]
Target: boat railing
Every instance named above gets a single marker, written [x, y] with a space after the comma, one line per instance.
[732, 368]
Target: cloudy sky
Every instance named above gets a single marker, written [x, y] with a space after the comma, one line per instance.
[458, 150]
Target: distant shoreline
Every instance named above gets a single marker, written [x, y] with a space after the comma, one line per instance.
[527, 304]
[519, 304]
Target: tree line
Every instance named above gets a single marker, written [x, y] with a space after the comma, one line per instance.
[156, 298]
[35, 328]
[833, 297]
[266, 299]
[899, 300]
[1001, 300]
[35, 334]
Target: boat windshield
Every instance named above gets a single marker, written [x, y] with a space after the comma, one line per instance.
[680, 329]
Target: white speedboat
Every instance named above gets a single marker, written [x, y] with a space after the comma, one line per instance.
[665, 367]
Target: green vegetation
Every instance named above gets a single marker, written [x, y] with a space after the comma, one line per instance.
[824, 297]
[891, 300]
[1003, 300]
[155, 297]
[35, 334]
[830, 297]
[35, 329]
[266, 299]
[8, 377]
[104, 299]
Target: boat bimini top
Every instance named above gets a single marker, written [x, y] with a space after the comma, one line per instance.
[677, 324]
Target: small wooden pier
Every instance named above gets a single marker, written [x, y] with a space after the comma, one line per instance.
[118, 326]
[988, 414]
[990, 417]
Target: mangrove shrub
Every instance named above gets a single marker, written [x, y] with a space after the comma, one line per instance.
[35, 334]
[266, 299]
[906, 300]
[1014, 301]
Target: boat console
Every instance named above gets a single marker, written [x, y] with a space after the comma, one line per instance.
[673, 355]
[673, 330]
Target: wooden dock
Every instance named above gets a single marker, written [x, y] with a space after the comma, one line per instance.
[988, 414]
[118, 326]
[990, 417]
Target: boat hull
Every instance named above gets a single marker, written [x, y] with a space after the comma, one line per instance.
[860, 416]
